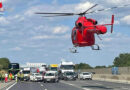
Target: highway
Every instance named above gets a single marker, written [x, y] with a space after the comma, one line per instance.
[71, 85]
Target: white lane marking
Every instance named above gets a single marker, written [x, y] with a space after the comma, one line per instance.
[11, 86]
[42, 86]
[125, 88]
[71, 84]
[86, 88]
[98, 83]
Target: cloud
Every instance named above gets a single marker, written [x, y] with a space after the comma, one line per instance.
[4, 41]
[40, 27]
[4, 21]
[108, 21]
[117, 2]
[33, 45]
[42, 37]
[17, 18]
[83, 6]
[30, 12]
[60, 29]
[115, 41]
[2, 31]
[126, 20]
[107, 39]
[16, 49]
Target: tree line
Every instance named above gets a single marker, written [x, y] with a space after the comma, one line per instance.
[123, 60]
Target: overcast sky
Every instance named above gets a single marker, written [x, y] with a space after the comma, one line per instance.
[27, 37]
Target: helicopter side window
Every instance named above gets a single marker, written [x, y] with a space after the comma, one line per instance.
[74, 35]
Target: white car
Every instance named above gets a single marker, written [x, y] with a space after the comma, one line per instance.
[85, 75]
[51, 76]
[36, 77]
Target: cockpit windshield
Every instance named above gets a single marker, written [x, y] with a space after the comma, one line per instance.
[67, 67]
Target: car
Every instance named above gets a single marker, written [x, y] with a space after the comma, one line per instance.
[36, 77]
[85, 75]
[61, 77]
[69, 76]
[76, 74]
[51, 76]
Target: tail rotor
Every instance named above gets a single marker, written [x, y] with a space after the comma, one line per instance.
[112, 22]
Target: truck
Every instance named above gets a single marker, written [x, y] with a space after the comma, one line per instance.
[42, 69]
[26, 71]
[66, 66]
[14, 68]
[53, 67]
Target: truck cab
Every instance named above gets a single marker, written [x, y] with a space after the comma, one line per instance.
[26, 71]
[53, 67]
[66, 66]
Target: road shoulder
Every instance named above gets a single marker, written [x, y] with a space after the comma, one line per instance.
[4, 86]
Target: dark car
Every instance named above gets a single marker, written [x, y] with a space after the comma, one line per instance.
[61, 76]
[69, 76]
[76, 74]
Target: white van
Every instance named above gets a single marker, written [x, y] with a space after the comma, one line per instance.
[36, 77]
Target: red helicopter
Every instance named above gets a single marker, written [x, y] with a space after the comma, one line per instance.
[85, 28]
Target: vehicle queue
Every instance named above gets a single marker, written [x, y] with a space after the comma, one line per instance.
[50, 73]
[54, 76]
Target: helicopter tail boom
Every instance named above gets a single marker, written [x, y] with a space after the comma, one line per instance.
[112, 23]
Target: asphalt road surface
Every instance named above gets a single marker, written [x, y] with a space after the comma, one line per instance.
[71, 85]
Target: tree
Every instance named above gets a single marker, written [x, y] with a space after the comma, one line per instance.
[1, 67]
[123, 60]
[82, 66]
[110, 66]
[100, 66]
[4, 63]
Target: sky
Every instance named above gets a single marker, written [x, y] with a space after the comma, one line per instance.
[28, 37]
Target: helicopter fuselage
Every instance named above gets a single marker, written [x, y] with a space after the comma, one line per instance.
[84, 30]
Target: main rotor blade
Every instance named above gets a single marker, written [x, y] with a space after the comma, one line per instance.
[96, 11]
[69, 14]
[54, 13]
[57, 15]
[90, 8]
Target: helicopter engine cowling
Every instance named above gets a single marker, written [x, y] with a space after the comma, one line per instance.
[92, 21]
[79, 24]
[101, 29]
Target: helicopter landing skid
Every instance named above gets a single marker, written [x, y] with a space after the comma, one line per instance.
[73, 50]
[97, 47]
